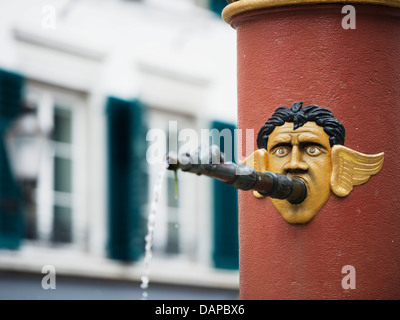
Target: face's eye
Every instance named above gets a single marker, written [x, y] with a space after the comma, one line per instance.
[313, 151]
[282, 151]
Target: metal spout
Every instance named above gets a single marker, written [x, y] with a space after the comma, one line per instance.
[240, 176]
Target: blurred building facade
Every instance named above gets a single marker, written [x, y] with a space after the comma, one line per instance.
[101, 74]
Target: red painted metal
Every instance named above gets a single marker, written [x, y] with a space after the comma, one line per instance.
[302, 53]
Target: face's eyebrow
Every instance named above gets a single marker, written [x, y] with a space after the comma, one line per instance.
[310, 138]
[282, 139]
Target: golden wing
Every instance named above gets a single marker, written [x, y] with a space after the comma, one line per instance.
[257, 160]
[352, 168]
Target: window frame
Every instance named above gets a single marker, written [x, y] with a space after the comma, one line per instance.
[47, 97]
[185, 217]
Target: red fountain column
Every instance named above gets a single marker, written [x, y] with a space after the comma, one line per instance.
[294, 50]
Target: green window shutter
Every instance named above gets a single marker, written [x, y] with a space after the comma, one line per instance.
[217, 6]
[225, 204]
[127, 179]
[11, 216]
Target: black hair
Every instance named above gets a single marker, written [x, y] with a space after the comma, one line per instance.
[299, 116]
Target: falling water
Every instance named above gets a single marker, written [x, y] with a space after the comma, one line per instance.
[150, 229]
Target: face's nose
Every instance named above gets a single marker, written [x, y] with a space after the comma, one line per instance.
[295, 162]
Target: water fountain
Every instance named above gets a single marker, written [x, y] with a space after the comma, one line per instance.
[151, 223]
[291, 49]
[210, 162]
[342, 55]
[240, 176]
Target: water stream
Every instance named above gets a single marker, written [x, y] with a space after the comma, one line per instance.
[150, 230]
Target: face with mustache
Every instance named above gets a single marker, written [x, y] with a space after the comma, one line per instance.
[304, 153]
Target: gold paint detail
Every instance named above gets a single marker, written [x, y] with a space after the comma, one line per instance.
[337, 169]
[352, 168]
[258, 161]
[289, 154]
[237, 7]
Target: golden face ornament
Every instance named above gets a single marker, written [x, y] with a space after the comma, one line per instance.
[306, 152]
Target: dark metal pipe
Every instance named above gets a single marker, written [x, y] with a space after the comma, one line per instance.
[244, 177]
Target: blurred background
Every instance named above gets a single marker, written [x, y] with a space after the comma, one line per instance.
[81, 84]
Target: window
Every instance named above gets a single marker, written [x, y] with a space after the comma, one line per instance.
[58, 216]
[176, 234]
[62, 174]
